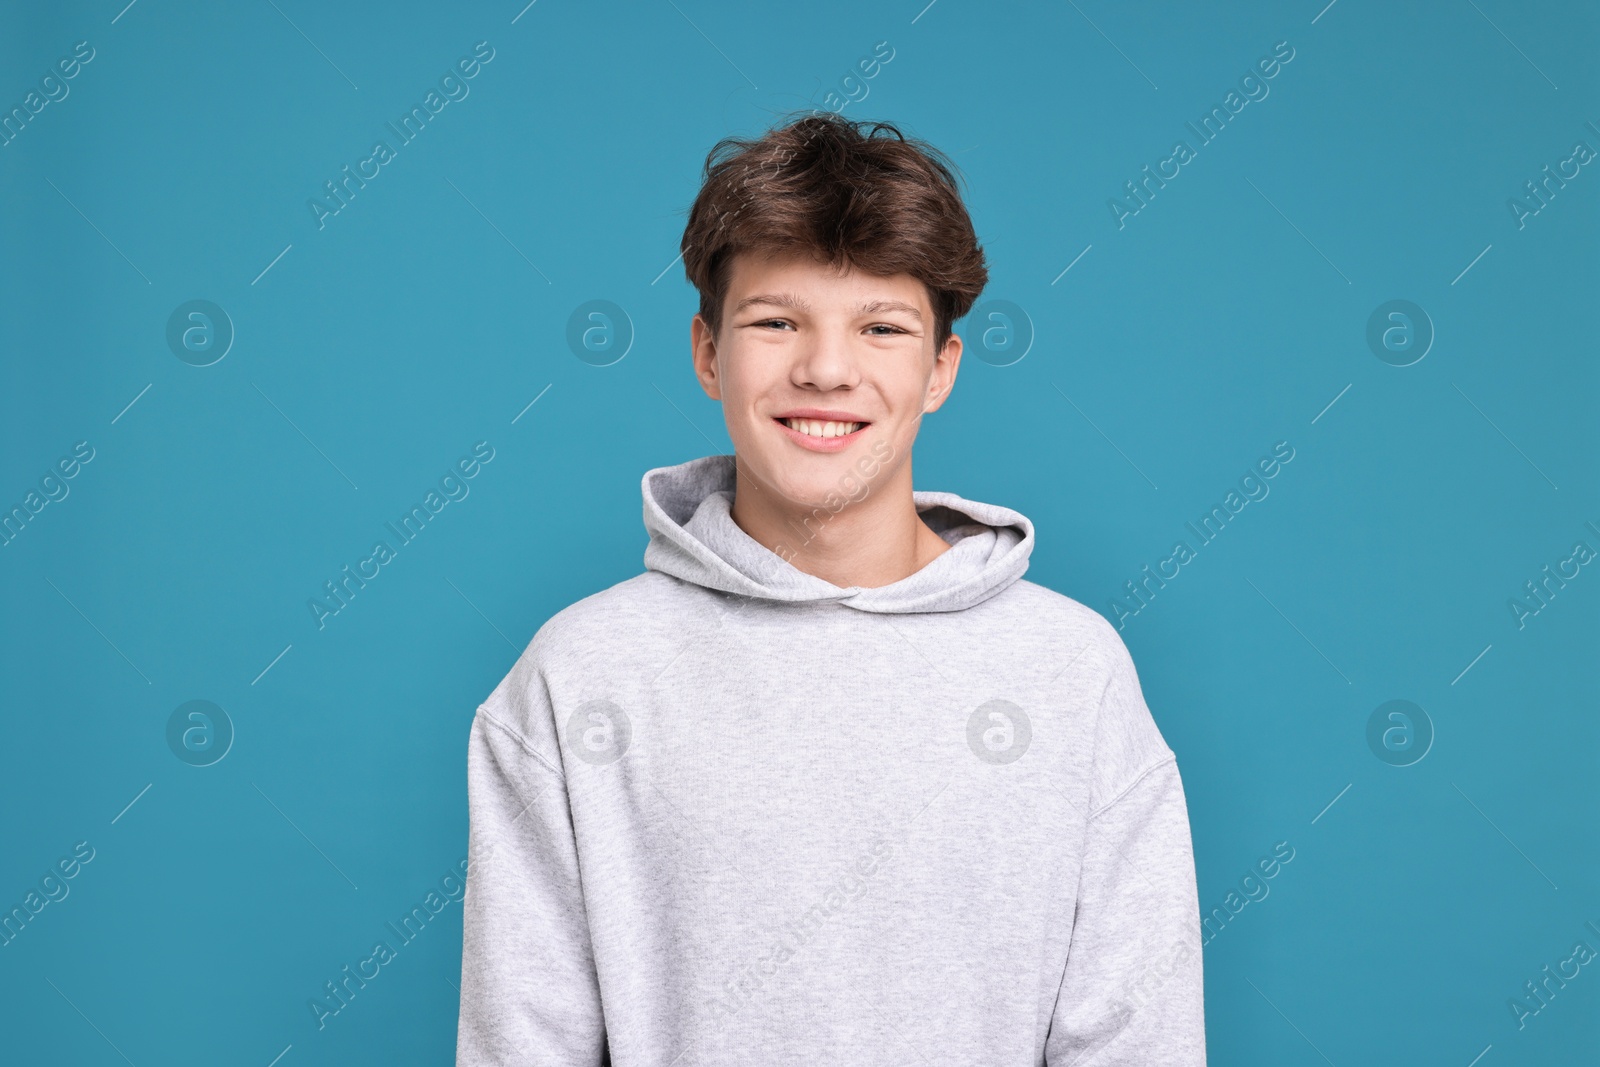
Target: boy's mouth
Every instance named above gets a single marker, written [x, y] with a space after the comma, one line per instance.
[823, 428]
[821, 434]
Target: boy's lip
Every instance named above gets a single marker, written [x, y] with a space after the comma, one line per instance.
[820, 444]
[820, 414]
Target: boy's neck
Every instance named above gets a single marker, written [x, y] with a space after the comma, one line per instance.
[872, 542]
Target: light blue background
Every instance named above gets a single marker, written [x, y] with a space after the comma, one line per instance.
[1224, 317]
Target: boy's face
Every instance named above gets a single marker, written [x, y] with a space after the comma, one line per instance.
[802, 339]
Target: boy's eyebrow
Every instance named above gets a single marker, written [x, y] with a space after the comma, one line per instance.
[781, 300]
[891, 305]
[789, 300]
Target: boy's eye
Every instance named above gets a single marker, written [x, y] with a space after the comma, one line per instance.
[784, 323]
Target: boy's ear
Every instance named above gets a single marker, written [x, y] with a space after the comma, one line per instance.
[703, 350]
[943, 379]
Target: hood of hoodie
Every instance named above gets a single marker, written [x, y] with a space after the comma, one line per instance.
[693, 537]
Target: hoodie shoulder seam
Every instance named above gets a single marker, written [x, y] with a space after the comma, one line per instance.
[522, 742]
[1170, 757]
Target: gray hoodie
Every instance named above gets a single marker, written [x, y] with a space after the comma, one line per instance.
[726, 812]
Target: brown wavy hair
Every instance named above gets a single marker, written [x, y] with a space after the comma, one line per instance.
[849, 193]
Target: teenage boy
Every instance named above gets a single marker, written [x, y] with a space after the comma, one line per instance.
[830, 782]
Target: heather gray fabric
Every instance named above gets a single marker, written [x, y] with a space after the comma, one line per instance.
[726, 812]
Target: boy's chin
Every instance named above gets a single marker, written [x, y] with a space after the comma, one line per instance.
[809, 481]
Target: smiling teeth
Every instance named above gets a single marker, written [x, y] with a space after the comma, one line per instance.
[814, 428]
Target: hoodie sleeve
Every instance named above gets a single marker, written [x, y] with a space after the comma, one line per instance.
[529, 991]
[1132, 990]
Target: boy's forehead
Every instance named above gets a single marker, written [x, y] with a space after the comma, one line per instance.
[806, 277]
